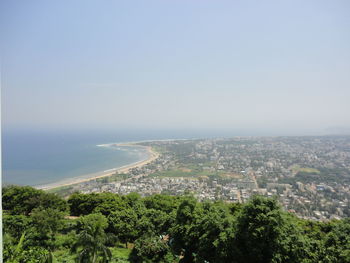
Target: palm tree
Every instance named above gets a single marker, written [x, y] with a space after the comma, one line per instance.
[92, 239]
[15, 251]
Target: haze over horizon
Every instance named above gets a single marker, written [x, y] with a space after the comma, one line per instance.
[270, 67]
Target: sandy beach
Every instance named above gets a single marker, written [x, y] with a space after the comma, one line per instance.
[88, 177]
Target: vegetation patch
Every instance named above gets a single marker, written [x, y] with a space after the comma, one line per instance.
[186, 173]
[121, 253]
[231, 176]
[112, 178]
[162, 229]
[61, 190]
[296, 169]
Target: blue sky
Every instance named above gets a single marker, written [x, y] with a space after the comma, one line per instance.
[253, 65]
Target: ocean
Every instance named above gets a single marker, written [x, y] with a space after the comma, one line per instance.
[39, 158]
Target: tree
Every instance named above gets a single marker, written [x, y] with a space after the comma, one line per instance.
[91, 240]
[202, 232]
[21, 200]
[267, 234]
[337, 242]
[151, 248]
[165, 203]
[16, 225]
[123, 223]
[49, 200]
[82, 204]
[133, 201]
[13, 252]
[181, 234]
[159, 221]
[215, 227]
[45, 224]
[105, 203]
[108, 203]
[16, 253]
[17, 199]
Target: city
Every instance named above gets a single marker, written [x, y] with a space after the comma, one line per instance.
[310, 176]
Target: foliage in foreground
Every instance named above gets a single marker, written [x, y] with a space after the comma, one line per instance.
[162, 228]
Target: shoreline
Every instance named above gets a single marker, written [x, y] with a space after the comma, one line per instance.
[93, 176]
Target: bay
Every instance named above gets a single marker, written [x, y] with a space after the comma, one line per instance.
[37, 158]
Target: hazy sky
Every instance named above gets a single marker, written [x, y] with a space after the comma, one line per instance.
[282, 65]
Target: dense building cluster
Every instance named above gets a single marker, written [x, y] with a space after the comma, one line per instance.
[309, 175]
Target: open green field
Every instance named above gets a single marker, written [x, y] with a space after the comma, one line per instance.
[112, 178]
[119, 255]
[61, 190]
[185, 172]
[296, 169]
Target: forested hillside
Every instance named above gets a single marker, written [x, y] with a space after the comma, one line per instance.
[106, 227]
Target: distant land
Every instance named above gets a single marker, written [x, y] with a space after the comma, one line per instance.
[310, 175]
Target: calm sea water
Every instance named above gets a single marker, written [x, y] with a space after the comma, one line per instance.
[37, 158]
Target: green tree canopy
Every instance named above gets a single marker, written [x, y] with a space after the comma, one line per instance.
[151, 248]
[123, 223]
[23, 199]
[267, 234]
[105, 203]
[337, 242]
[92, 239]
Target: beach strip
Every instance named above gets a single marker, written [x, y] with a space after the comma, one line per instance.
[89, 177]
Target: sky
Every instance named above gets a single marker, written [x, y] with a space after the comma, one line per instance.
[281, 66]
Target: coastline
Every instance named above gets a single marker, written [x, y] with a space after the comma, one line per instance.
[89, 177]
